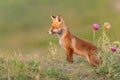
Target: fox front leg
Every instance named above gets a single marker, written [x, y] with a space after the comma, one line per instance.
[69, 55]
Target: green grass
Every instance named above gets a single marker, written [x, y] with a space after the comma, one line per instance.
[20, 66]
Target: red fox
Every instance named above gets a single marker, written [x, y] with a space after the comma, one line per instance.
[73, 44]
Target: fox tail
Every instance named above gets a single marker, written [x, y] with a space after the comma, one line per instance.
[94, 60]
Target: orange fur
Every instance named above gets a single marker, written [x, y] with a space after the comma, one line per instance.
[73, 44]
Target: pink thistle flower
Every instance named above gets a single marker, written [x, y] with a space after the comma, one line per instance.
[95, 27]
[107, 26]
[113, 49]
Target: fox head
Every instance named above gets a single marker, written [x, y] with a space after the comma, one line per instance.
[57, 25]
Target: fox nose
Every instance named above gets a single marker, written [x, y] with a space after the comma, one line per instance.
[49, 32]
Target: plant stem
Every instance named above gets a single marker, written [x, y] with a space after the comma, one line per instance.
[94, 37]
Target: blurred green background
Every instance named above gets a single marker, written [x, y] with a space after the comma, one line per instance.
[24, 23]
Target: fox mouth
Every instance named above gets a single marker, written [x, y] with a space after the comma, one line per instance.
[51, 32]
[55, 31]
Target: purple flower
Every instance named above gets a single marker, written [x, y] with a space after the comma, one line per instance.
[95, 26]
[113, 49]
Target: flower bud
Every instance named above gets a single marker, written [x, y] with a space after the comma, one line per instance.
[95, 27]
[107, 26]
[113, 49]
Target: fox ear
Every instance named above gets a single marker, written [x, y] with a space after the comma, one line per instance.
[53, 17]
[59, 18]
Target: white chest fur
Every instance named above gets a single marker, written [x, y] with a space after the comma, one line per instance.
[60, 40]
